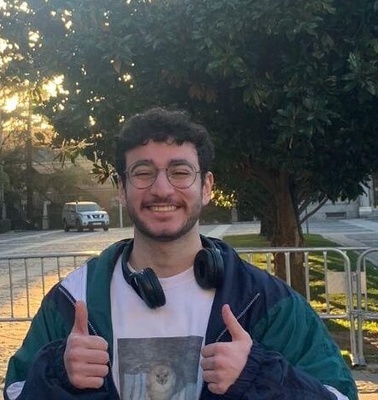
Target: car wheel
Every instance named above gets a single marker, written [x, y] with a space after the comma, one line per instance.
[78, 226]
[65, 226]
[105, 228]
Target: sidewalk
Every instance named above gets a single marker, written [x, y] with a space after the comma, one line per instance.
[358, 233]
[367, 382]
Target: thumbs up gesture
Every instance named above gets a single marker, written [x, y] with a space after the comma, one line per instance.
[223, 362]
[85, 356]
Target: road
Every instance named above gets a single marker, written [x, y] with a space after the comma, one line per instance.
[38, 242]
[353, 232]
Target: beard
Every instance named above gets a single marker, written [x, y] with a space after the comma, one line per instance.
[166, 235]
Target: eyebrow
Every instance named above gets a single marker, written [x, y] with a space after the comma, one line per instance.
[181, 161]
[174, 161]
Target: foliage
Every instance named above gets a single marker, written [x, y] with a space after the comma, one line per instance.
[222, 199]
[288, 88]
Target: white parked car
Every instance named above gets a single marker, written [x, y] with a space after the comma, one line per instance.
[84, 214]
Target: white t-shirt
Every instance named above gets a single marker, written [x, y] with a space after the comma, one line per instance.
[157, 351]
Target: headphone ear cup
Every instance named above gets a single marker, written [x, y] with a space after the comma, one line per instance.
[150, 288]
[209, 268]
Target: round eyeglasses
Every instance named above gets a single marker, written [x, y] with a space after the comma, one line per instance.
[142, 175]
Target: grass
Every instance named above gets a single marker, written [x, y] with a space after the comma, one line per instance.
[336, 301]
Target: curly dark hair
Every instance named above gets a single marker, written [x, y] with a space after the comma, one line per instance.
[161, 125]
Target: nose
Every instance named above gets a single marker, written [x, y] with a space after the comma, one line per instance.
[162, 184]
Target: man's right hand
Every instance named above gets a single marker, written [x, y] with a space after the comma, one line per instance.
[86, 357]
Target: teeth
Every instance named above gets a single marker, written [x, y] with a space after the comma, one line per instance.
[163, 208]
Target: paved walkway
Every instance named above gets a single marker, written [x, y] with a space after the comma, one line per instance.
[356, 233]
[345, 232]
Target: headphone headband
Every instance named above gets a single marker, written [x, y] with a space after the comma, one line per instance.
[208, 271]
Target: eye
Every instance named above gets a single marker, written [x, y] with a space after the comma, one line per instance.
[142, 172]
[180, 171]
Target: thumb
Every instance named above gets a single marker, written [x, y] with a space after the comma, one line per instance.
[81, 319]
[236, 330]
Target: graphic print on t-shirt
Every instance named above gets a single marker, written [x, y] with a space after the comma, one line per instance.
[159, 368]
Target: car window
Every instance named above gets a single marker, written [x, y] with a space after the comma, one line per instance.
[88, 207]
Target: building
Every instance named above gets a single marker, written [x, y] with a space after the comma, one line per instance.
[365, 206]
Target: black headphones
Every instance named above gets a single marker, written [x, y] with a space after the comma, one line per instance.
[208, 270]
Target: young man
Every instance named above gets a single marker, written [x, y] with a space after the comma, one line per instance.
[172, 314]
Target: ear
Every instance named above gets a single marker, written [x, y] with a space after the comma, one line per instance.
[207, 188]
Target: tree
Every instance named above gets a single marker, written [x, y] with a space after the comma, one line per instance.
[287, 88]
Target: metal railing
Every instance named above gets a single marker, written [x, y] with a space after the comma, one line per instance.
[21, 274]
[363, 313]
[329, 313]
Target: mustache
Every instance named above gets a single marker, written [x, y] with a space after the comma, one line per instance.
[160, 200]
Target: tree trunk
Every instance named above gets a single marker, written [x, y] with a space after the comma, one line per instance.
[266, 228]
[29, 164]
[288, 233]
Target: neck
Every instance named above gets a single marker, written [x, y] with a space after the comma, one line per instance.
[165, 258]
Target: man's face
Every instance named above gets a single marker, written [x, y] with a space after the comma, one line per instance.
[162, 211]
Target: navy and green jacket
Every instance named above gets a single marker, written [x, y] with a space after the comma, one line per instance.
[292, 357]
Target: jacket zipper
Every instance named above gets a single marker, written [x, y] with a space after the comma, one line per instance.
[248, 306]
[91, 327]
[72, 301]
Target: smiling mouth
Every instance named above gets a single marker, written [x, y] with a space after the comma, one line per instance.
[162, 208]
